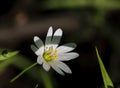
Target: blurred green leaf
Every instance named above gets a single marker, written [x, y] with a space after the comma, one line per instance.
[5, 54]
[36, 86]
[46, 79]
[100, 4]
[107, 81]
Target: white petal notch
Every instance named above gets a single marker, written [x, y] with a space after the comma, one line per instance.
[50, 55]
[56, 68]
[63, 67]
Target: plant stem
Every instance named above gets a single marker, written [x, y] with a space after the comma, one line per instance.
[16, 77]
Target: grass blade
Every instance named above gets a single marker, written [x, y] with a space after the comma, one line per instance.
[106, 79]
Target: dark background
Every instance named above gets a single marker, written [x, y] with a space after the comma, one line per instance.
[87, 23]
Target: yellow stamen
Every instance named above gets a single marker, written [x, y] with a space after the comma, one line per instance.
[50, 55]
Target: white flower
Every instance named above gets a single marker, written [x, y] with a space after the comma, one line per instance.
[50, 55]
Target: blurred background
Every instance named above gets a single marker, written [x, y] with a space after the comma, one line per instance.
[88, 23]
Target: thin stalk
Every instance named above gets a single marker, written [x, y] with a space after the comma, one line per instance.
[16, 77]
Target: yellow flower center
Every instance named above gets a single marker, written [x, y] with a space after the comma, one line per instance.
[50, 55]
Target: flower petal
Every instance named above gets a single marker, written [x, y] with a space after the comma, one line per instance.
[39, 60]
[38, 42]
[56, 68]
[56, 38]
[67, 56]
[34, 48]
[63, 66]
[66, 48]
[46, 66]
[48, 37]
[40, 51]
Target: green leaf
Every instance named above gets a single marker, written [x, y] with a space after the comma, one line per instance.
[5, 54]
[106, 79]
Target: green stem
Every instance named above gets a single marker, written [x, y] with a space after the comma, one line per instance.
[16, 77]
